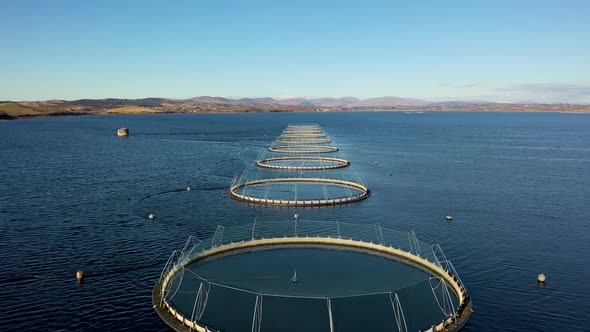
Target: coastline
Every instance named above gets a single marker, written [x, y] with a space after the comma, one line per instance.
[14, 110]
[400, 110]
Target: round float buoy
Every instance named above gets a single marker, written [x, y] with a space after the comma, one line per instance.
[449, 218]
[152, 216]
[188, 188]
[80, 276]
[295, 216]
[541, 278]
[376, 163]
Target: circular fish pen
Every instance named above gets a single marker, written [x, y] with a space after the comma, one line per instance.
[303, 141]
[302, 163]
[303, 130]
[303, 135]
[310, 276]
[302, 149]
[304, 127]
[300, 192]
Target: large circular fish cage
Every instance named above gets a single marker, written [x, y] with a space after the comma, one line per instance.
[303, 127]
[299, 192]
[302, 149]
[310, 276]
[303, 131]
[303, 163]
[303, 141]
[303, 135]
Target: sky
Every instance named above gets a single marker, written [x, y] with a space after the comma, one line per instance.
[501, 51]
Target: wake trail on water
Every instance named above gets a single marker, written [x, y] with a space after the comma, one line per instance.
[162, 219]
[125, 267]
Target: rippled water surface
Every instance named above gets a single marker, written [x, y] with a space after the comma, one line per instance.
[75, 197]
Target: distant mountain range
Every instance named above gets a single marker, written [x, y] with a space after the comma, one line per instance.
[317, 102]
[206, 104]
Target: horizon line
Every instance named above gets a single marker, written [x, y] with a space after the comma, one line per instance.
[431, 101]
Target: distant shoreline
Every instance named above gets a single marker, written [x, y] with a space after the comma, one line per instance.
[12, 110]
[64, 114]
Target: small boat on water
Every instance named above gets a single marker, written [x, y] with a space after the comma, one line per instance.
[123, 132]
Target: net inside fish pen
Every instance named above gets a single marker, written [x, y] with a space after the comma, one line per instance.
[310, 275]
[300, 179]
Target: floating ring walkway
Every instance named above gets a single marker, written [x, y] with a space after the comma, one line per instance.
[303, 135]
[302, 149]
[303, 127]
[303, 131]
[332, 163]
[303, 140]
[433, 262]
[181, 295]
[363, 192]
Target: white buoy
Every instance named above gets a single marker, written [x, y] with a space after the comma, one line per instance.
[541, 278]
[449, 218]
[295, 216]
[80, 276]
[152, 216]
[376, 163]
[188, 188]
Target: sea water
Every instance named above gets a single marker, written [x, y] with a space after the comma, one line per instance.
[73, 196]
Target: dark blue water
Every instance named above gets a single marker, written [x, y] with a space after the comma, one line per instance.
[75, 197]
[270, 272]
[353, 281]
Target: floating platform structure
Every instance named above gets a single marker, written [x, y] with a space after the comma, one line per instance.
[350, 192]
[200, 289]
[310, 186]
[303, 140]
[302, 163]
[304, 135]
[308, 129]
[302, 149]
[303, 275]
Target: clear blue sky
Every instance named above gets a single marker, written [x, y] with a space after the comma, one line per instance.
[436, 50]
